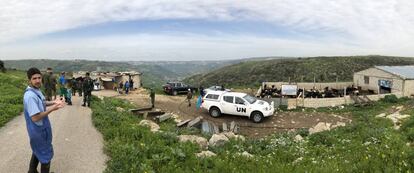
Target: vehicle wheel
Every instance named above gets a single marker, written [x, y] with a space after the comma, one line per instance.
[257, 117]
[215, 112]
[174, 93]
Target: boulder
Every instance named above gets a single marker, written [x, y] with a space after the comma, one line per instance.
[240, 137]
[119, 109]
[338, 124]
[154, 127]
[204, 154]
[321, 126]
[218, 140]
[200, 141]
[229, 135]
[246, 154]
[298, 138]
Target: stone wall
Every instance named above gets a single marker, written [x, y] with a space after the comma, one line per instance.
[328, 102]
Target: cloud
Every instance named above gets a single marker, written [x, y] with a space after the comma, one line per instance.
[385, 26]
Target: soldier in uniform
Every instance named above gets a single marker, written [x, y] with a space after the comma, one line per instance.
[47, 83]
[87, 88]
[152, 95]
[79, 86]
[189, 97]
[74, 86]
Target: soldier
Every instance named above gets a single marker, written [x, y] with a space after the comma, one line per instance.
[79, 85]
[189, 97]
[87, 88]
[74, 86]
[152, 95]
[47, 83]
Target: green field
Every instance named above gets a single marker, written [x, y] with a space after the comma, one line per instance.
[368, 144]
[12, 85]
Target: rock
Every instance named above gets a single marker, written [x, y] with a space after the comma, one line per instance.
[381, 115]
[395, 117]
[298, 138]
[239, 137]
[399, 108]
[338, 124]
[246, 154]
[298, 160]
[200, 141]
[321, 126]
[204, 154]
[218, 140]
[119, 109]
[229, 135]
[153, 126]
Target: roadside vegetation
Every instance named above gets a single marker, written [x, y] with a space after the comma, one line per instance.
[368, 144]
[12, 85]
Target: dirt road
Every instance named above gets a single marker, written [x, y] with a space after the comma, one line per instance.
[78, 145]
[281, 121]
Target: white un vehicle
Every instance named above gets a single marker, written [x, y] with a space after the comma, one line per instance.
[234, 103]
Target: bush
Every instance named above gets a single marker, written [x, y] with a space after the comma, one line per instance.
[390, 98]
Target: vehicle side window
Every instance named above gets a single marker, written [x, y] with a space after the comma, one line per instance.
[239, 101]
[228, 99]
[212, 96]
[178, 85]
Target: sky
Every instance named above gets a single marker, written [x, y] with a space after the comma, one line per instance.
[185, 30]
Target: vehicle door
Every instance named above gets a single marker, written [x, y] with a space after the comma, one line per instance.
[227, 104]
[241, 106]
[179, 87]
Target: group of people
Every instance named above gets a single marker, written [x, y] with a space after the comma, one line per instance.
[129, 85]
[67, 87]
[37, 108]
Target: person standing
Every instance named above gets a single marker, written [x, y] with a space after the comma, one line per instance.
[121, 87]
[38, 125]
[87, 88]
[74, 86]
[127, 87]
[47, 84]
[152, 96]
[63, 90]
[201, 89]
[131, 83]
[189, 97]
[79, 83]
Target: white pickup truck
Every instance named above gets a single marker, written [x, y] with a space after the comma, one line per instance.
[235, 103]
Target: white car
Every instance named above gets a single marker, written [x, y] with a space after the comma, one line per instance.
[215, 88]
[235, 103]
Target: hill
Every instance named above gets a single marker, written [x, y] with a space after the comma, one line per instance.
[155, 73]
[323, 69]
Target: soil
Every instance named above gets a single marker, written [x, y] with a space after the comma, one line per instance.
[279, 122]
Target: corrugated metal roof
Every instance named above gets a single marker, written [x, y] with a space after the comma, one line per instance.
[405, 72]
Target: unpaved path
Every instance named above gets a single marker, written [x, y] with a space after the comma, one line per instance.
[78, 145]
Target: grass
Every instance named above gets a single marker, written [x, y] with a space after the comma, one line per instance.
[12, 85]
[369, 144]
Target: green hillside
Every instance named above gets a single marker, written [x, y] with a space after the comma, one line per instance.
[154, 73]
[323, 69]
[12, 85]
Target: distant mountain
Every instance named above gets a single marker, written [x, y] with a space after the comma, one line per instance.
[252, 72]
[155, 73]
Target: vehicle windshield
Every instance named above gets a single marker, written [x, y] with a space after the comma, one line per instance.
[250, 99]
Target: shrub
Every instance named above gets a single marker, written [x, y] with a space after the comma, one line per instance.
[390, 98]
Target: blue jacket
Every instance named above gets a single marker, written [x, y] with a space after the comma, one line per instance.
[40, 133]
